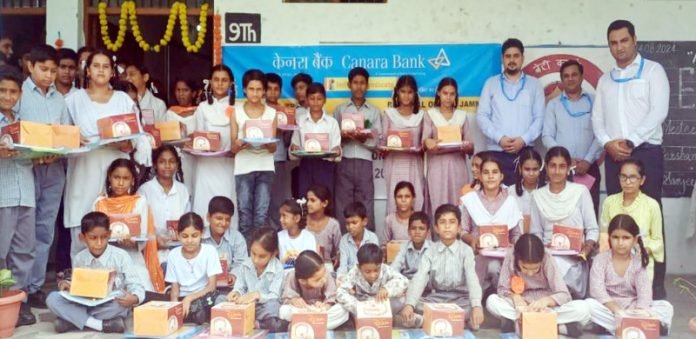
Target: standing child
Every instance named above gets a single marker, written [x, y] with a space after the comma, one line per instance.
[300, 82]
[185, 92]
[409, 256]
[446, 165]
[325, 228]
[139, 76]
[404, 166]
[356, 220]
[527, 179]
[67, 71]
[281, 182]
[543, 288]
[309, 285]
[192, 269]
[260, 280]
[229, 243]
[108, 317]
[396, 223]
[294, 238]
[354, 173]
[254, 169]
[619, 278]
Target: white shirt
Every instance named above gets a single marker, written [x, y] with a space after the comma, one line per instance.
[149, 101]
[252, 160]
[165, 206]
[632, 110]
[215, 118]
[192, 274]
[325, 124]
[304, 241]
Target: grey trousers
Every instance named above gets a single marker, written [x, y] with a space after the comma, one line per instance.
[354, 182]
[17, 241]
[78, 314]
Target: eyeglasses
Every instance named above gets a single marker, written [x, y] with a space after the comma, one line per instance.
[629, 179]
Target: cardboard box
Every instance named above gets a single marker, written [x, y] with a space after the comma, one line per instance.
[393, 248]
[117, 126]
[567, 238]
[66, 136]
[223, 278]
[228, 319]
[27, 133]
[352, 122]
[493, 236]
[538, 325]
[636, 323]
[206, 141]
[309, 323]
[92, 282]
[123, 225]
[316, 142]
[285, 117]
[449, 134]
[173, 230]
[157, 318]
[153, 136]
[373, 320]
[148, 116]
[171, 130]
[443, 320]
[258, 129]
[399, 138]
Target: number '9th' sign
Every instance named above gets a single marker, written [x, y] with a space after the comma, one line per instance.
[242, 28]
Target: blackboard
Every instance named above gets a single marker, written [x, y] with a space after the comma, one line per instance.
[679, 60]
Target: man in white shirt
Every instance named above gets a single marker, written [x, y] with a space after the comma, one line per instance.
[631, 103]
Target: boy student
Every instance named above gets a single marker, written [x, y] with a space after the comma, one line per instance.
[299, 83]
[110, 316]
[67, 71]
[448, 268]
[17, 202]
[230, 244]
[355, 215]
[409, 256]
[354, 172]
[41, 102]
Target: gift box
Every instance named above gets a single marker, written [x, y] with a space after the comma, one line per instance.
[228, 319]
[171, 130]
[393, 248]
[443, 320]
[223, 278]
[286, 117]
[538, 325]
[636, 323]
[27, 133]
[399, 138]
[493, 236]
[567, 238]
[92, 282]
[258, 129]
[308, 323]
[449, 134]
[66, 136]
[148, 116]
[117, 126]
[157, 318]
[172, 229]
[352, 122]
[153, 136]
[373, 320]
[206, 141]
[124, 225]
[316, 142]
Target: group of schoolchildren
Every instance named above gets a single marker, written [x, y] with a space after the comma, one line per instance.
[316, 260]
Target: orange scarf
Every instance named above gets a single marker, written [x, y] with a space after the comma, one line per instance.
[125, 205]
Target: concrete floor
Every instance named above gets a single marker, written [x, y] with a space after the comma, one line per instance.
[684, 309]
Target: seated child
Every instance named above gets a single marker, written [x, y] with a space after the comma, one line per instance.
[228, 242]
[543, 288]
[110, 316]
[619, 278]
[294, 238]
[192, 269]
[260, 280]
[396, 223]
[310, 285]
[409, 257]
[356, 220]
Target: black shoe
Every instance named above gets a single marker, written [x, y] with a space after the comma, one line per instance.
[573, 330]
[61, 326]
[664, 330]
[200, 317]
[37, 299]
[25, 316]
[507, 325]
[115, 325]
[274, 325]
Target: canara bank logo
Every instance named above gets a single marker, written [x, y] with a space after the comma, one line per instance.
[440, 60]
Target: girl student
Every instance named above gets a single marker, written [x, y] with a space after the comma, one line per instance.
[260, 280]
[294, 238]
[490, 205]
[192, 269]
[254, 167]
[527, 179]
[311, 286]
[121, 199]
[324, 227]
[314, 170]
[185, 92]
[564, 203]
[619, 278]
[446, 165]
[530, 279]
[168, 197]
[87, 173]
[475, 185]
[213, 174]
[396, 223]
[404, 166]
[139, 76]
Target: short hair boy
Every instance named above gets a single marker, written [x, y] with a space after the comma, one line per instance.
[355, 215]
[409, 256]
[229, 243]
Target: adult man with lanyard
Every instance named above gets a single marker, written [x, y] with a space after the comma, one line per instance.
[631, 103]
[568, 123]
[511, 109]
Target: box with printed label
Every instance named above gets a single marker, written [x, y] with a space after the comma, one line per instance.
[399, 138]
[567, 238]
[373, 320]
[258, 129]
[92, 282]
[27, 133]
[223, 278]
[352, 122]
[309, 323]
[493, 236]
[285, 117]
[124, 225]
[228, 319]
[117, 126]
[171, 130]
[157, 318]
[206, 141]
[393, 248]
[637, 323]
[443, 319]
[316, 142]
[153, 136]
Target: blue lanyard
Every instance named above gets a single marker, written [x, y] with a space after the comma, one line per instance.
[637, 76]
[564, 101]
[502, 87]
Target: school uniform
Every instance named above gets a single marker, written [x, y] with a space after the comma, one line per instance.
[329, 241]
[394, 229]
[157, 105]
[355, 288]
[305, 241]
[113, 258]
[336, 314]
[349, 250]
[188, 161]
[192, 274]
[269, 285]
[408, 259]
[232, 246]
